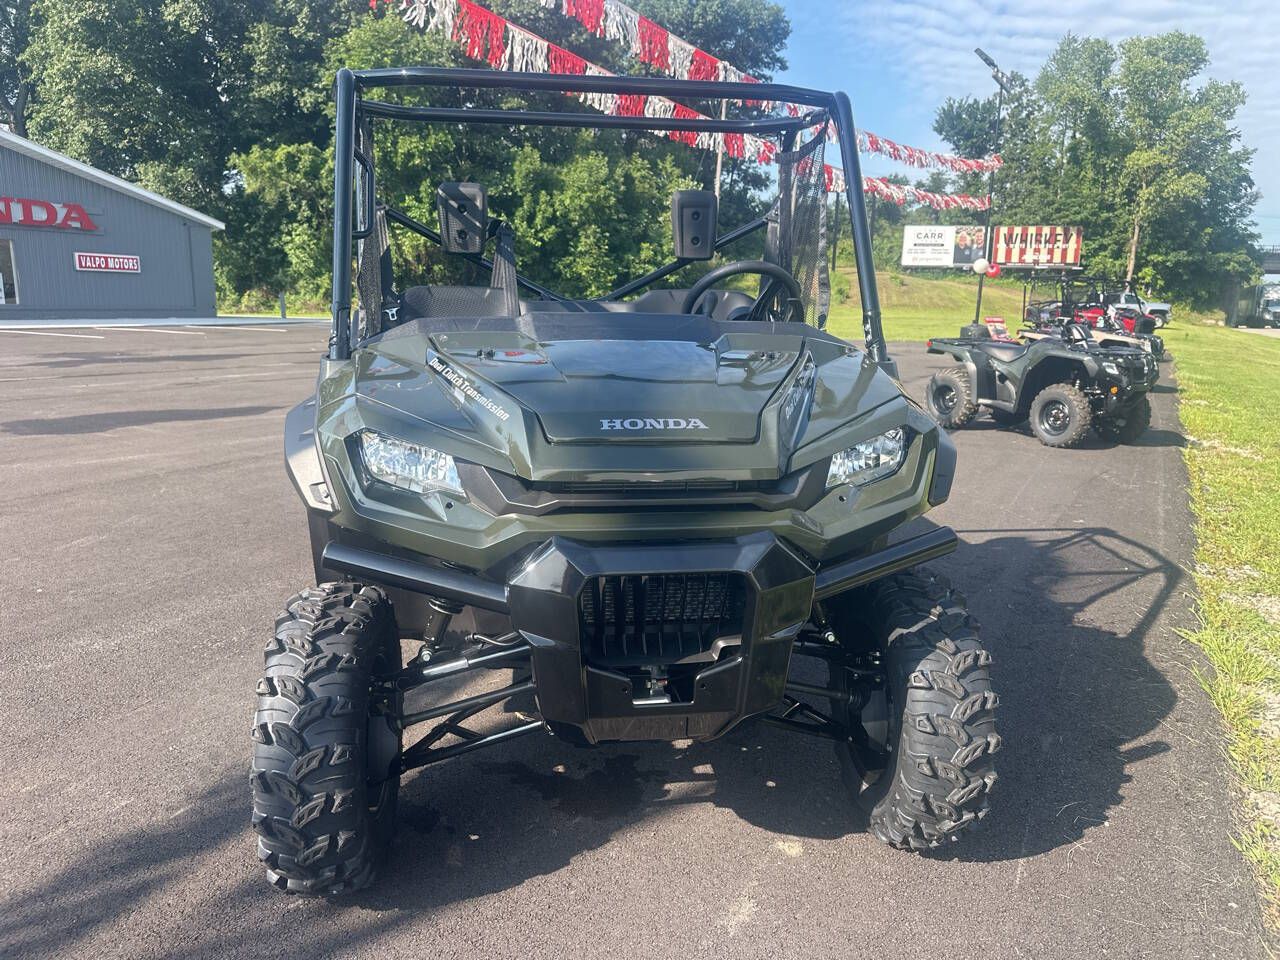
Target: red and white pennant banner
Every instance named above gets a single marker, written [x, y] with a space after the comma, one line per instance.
[916, 157]
[488, 36]
[900, 194]
[653, 44]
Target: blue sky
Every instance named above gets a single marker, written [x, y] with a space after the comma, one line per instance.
[898, 60]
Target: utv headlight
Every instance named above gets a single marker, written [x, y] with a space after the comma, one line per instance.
[408, 466]
[869, 460]
[1111, 368]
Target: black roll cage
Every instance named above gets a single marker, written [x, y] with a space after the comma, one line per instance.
[353, 111]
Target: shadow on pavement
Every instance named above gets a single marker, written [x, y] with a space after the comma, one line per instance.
[1152, 437]
[1078, 703]
[1077, 700]
[102, 422]
[111, 878]
[76, 359]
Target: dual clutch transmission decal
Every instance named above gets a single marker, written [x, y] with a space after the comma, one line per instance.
[466, 387]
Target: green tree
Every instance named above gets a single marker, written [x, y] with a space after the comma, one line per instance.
[1135, 146]
[1182, 155]
[16, 87]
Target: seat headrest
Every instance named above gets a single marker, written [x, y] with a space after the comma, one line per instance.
[463, 209]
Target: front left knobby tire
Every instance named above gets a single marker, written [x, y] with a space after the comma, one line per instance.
[933, 717]
[326, 755]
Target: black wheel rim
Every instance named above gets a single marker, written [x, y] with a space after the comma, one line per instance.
[945, 398]
[872, 727]
[1055, 418]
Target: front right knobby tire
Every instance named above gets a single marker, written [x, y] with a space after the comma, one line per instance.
[940, 709]
[326, 755]
[1060, 415]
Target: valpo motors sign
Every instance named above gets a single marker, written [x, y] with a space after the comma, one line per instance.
[108, 262]
[27, 212]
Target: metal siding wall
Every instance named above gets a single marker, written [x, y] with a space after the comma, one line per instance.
[201, 240]
[176, 255]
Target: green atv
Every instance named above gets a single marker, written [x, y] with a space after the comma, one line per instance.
[650, 515]
[1063, 385]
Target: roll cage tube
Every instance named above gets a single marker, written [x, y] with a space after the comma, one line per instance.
[349, 84]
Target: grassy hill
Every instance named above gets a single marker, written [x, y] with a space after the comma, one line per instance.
[916, 308]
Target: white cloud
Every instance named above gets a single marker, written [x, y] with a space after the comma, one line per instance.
[930, 47]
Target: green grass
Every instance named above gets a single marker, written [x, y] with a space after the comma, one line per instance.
[917, 308]
[1229, 381]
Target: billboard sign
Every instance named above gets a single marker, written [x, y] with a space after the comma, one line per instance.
[108, 262]
[1043, 246]
[940, 246]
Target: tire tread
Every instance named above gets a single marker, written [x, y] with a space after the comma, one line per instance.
[318, 833]
[965, 410]
[943, 773]
[1081, 415]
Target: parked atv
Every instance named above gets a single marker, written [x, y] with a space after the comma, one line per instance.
[1063, 385]
[1121, 319]
[650, 506]
[1104, 331]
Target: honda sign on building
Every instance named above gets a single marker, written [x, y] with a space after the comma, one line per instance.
[77, 243]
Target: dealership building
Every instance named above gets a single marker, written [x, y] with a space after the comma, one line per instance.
[79, 244]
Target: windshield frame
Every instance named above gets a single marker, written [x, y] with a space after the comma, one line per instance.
[353, 173]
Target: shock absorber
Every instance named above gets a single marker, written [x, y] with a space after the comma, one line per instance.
[446, 610]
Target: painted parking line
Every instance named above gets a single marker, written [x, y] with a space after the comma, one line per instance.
[234, 327]
[48, 333]
[181, 333]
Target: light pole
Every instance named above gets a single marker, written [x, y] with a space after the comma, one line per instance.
[1002, 82]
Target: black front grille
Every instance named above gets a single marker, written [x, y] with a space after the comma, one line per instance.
[658, 618]
[644, 488]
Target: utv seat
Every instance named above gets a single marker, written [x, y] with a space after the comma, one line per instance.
[442, 301]
[1001, 350]
[717, 304]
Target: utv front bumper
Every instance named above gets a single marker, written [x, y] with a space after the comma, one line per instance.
[652, 641]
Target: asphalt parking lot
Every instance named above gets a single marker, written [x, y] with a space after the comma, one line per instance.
[149, 535]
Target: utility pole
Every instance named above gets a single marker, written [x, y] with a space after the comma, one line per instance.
[1002, 83]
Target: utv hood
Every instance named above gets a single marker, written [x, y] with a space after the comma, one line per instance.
[604, 380]
[630, 391]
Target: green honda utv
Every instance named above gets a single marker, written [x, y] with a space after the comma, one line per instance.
[660, 514]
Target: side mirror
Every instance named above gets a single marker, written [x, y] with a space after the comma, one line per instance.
[693, 223]
[463, 209]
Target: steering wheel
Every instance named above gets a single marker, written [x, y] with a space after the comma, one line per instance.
[780, 280]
